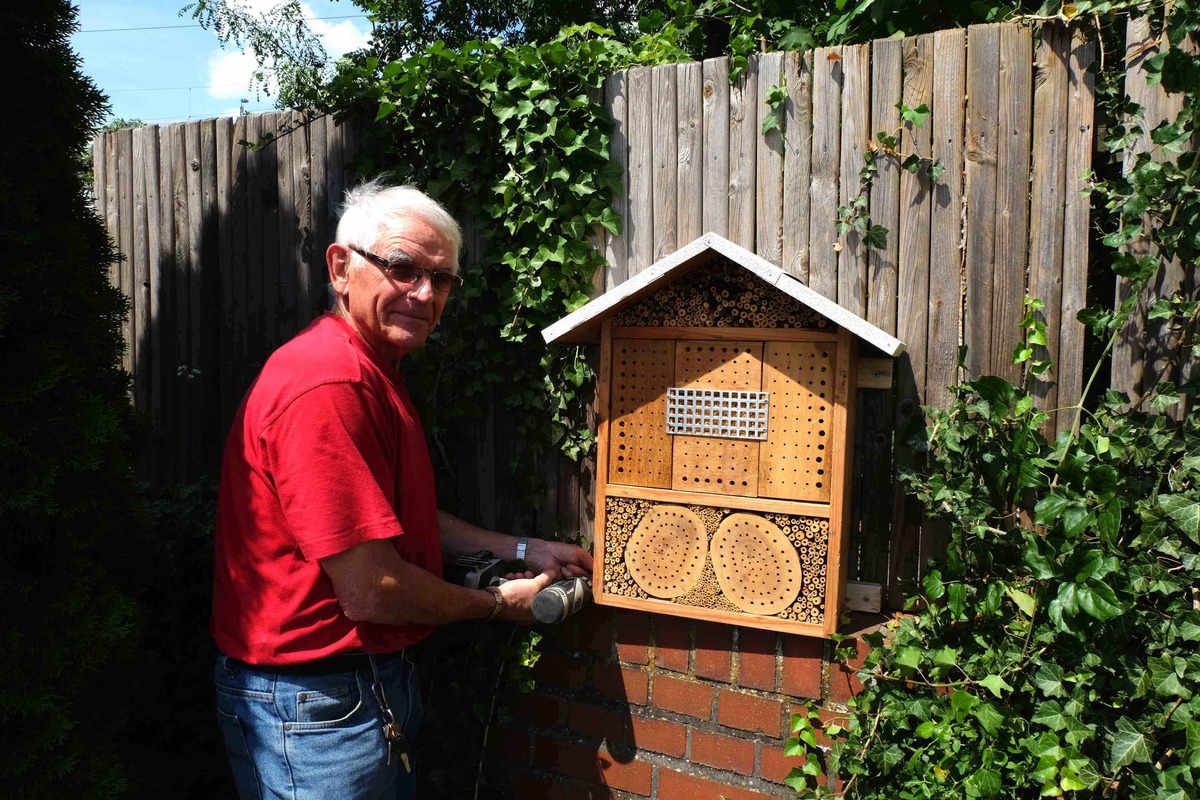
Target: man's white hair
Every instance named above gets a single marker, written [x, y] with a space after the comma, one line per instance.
[372, 205]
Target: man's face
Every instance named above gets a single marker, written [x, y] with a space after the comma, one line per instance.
[394, 318]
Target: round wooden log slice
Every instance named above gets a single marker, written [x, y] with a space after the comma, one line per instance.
[757, 567]
[665, 554]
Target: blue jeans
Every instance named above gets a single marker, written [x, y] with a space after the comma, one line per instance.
[317, 737]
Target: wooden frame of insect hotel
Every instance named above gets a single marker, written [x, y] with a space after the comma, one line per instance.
[725, 405]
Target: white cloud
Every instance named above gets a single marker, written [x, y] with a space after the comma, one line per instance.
[230, 73]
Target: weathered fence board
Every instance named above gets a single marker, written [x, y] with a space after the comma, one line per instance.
[233, 257]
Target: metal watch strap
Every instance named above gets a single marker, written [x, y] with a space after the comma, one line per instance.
[522, 546]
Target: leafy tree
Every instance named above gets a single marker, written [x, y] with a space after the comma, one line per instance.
[67, 496]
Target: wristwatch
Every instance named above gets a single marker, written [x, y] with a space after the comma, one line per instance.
[522, 545]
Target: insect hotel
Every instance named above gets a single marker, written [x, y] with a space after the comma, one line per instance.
[725, 400]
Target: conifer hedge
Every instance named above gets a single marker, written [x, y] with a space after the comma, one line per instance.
[66, 497]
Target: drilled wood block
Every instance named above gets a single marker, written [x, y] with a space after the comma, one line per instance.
[642, 371]
[665, 554]
[794, 460]
[755, 563]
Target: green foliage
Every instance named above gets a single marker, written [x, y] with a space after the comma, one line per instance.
[67, 497]
[1053, 651]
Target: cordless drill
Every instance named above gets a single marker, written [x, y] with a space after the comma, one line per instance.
[553, 604]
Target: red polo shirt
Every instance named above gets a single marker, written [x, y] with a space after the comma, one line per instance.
[326, 452]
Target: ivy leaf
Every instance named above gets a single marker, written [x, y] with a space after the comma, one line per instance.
[956, 599]
[1049, 680]
[1128, 745]
[610, 221]
[876, 237]
[1024, 601]
[1098, 600]
[990, 718]
[984, 783]
[1183, 510]
[796, 778]
[797, 38]
[935, 171]
[996, 685]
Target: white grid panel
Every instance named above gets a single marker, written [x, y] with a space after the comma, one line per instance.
[717, 412]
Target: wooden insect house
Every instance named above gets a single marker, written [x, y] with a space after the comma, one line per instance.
[725, 407]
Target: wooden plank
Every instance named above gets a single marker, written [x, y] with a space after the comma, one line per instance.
[714, 615]
[743, 143]
[665, 160]
[840, 471]
[112, 205]
[872, 486]
[886, 88]
[794, 460]
[124, 179]
[288, 294]
[716, 146]
[302, 202]
[769, 150]
[269, 235]
[226, 273]
[797, 164]
[1080, 117]
[856, 110]
[168, 346]
[589, 478]
[1047, 201]
[181, 172]
[320, 235]
[238, 210]
[190, 392]
[727, 334]
[946, 246]
[256, 322]
[1012, 196]
[144, 180]
[823, 186]
[335, 175]
[152, 455]
[983, 98]
[874, 373]
[690, 177]
[204, 326]
[915, 211]
[864, 596]
[761, 504]
[617, 245]
[640, 222]
[603, 413]
[99, 175]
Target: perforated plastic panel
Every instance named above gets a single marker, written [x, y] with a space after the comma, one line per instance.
[717, 412]
[703, 463]
[794, 460]
[642, 370]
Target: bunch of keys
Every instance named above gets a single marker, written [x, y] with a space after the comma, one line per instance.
[397, 742]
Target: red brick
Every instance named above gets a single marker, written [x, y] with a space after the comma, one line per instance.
[672, 643]
[747, 712]
[722, 752]
[593, 765]
[629, 685]
[683, 697]
[633, 637]
[560, 672]
[756, 659]
[714, 651]
[658, 735]
[775, 766]
[677, 786]
[843, 678]
[596, 721]
[540, 710]
[802, 666]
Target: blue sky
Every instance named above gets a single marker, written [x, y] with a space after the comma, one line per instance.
[172, 73]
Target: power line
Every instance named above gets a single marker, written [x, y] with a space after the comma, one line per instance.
[198, 25]
[176, 88]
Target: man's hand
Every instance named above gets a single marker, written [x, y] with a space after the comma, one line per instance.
[517, 597]
[558, 559]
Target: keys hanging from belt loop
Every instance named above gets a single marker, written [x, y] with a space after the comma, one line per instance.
[397, 743]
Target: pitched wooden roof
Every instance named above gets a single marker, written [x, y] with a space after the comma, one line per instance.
[583, 325]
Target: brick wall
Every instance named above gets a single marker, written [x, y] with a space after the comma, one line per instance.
[633, 705]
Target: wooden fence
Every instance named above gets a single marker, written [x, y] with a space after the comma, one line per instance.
[224, 243]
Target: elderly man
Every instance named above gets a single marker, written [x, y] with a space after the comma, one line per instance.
[329, 543]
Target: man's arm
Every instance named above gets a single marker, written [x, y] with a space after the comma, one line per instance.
[374, 584]
[562, 560]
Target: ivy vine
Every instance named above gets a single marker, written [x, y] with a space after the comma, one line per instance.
[1054, 650]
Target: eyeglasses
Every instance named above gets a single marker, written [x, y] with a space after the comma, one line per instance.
[403, 270]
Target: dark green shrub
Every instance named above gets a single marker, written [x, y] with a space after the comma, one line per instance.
[64, 415]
